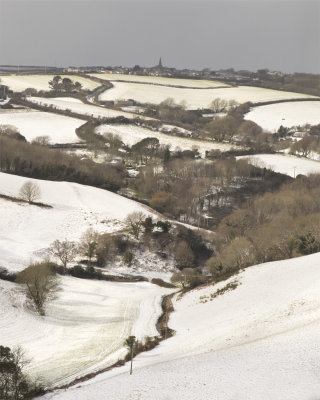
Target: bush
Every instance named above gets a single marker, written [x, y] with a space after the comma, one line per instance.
[6, 275]
[85, 273]
[128, 257]
[40, 285]
[162, 283]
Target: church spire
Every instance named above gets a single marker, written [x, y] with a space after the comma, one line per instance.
[160, 63]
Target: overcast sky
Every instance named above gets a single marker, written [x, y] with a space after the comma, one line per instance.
[276, 34]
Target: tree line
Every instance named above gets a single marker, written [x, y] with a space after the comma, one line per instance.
[34, 161]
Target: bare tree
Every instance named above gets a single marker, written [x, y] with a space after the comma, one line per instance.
[89, 243]
[30, 192]
[40, 285]
[42, 140]
[218, 105]
[182, 278]
[65, 250]
[183, 255]
[134, 223]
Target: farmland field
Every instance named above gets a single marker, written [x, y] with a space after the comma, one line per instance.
[18, 83]
[77, 106]
[31, 124]
[192, 83]
[194, 98]
[272, 116]
[131, 134]
[83, 330]
[26, 230]
[285, 164]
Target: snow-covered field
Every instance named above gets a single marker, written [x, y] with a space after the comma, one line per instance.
[192, 83]
[84, 329]
[27, 230]
[272, 116]
[259, 341]
[77, 106]
[131, 134]
[31, 123]
[285, 164]
[18, 83]
[195, 98]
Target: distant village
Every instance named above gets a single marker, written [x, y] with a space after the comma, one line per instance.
[164, 71]
[229, 75]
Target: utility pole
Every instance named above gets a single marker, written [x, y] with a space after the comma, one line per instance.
[130, 342]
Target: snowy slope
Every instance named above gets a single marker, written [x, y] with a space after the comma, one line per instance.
[197, 83]
[33, 123]
[26, 230]
[285, 164]
[259, 341]
[131, 134]
[194, 98]
[77, 106]
[272, 116]
[19, 83]
[83, 330]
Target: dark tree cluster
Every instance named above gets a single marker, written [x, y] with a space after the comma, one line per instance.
[59, 84]
[14, 385]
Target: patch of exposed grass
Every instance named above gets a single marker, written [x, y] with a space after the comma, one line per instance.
[219, 292]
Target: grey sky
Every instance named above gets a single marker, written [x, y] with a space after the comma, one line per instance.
[279, 35]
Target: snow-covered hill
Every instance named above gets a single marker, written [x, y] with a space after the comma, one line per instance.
[83, 330]
[160, 80]
[258, 341]
[26, 230]
[22, 82]
[131, 134]
[285, 164]
[272, 116]
[31, 124]
[194, 98]
[77, 106]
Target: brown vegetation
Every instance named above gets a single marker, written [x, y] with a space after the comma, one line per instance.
[19, 158]
[270, 227]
